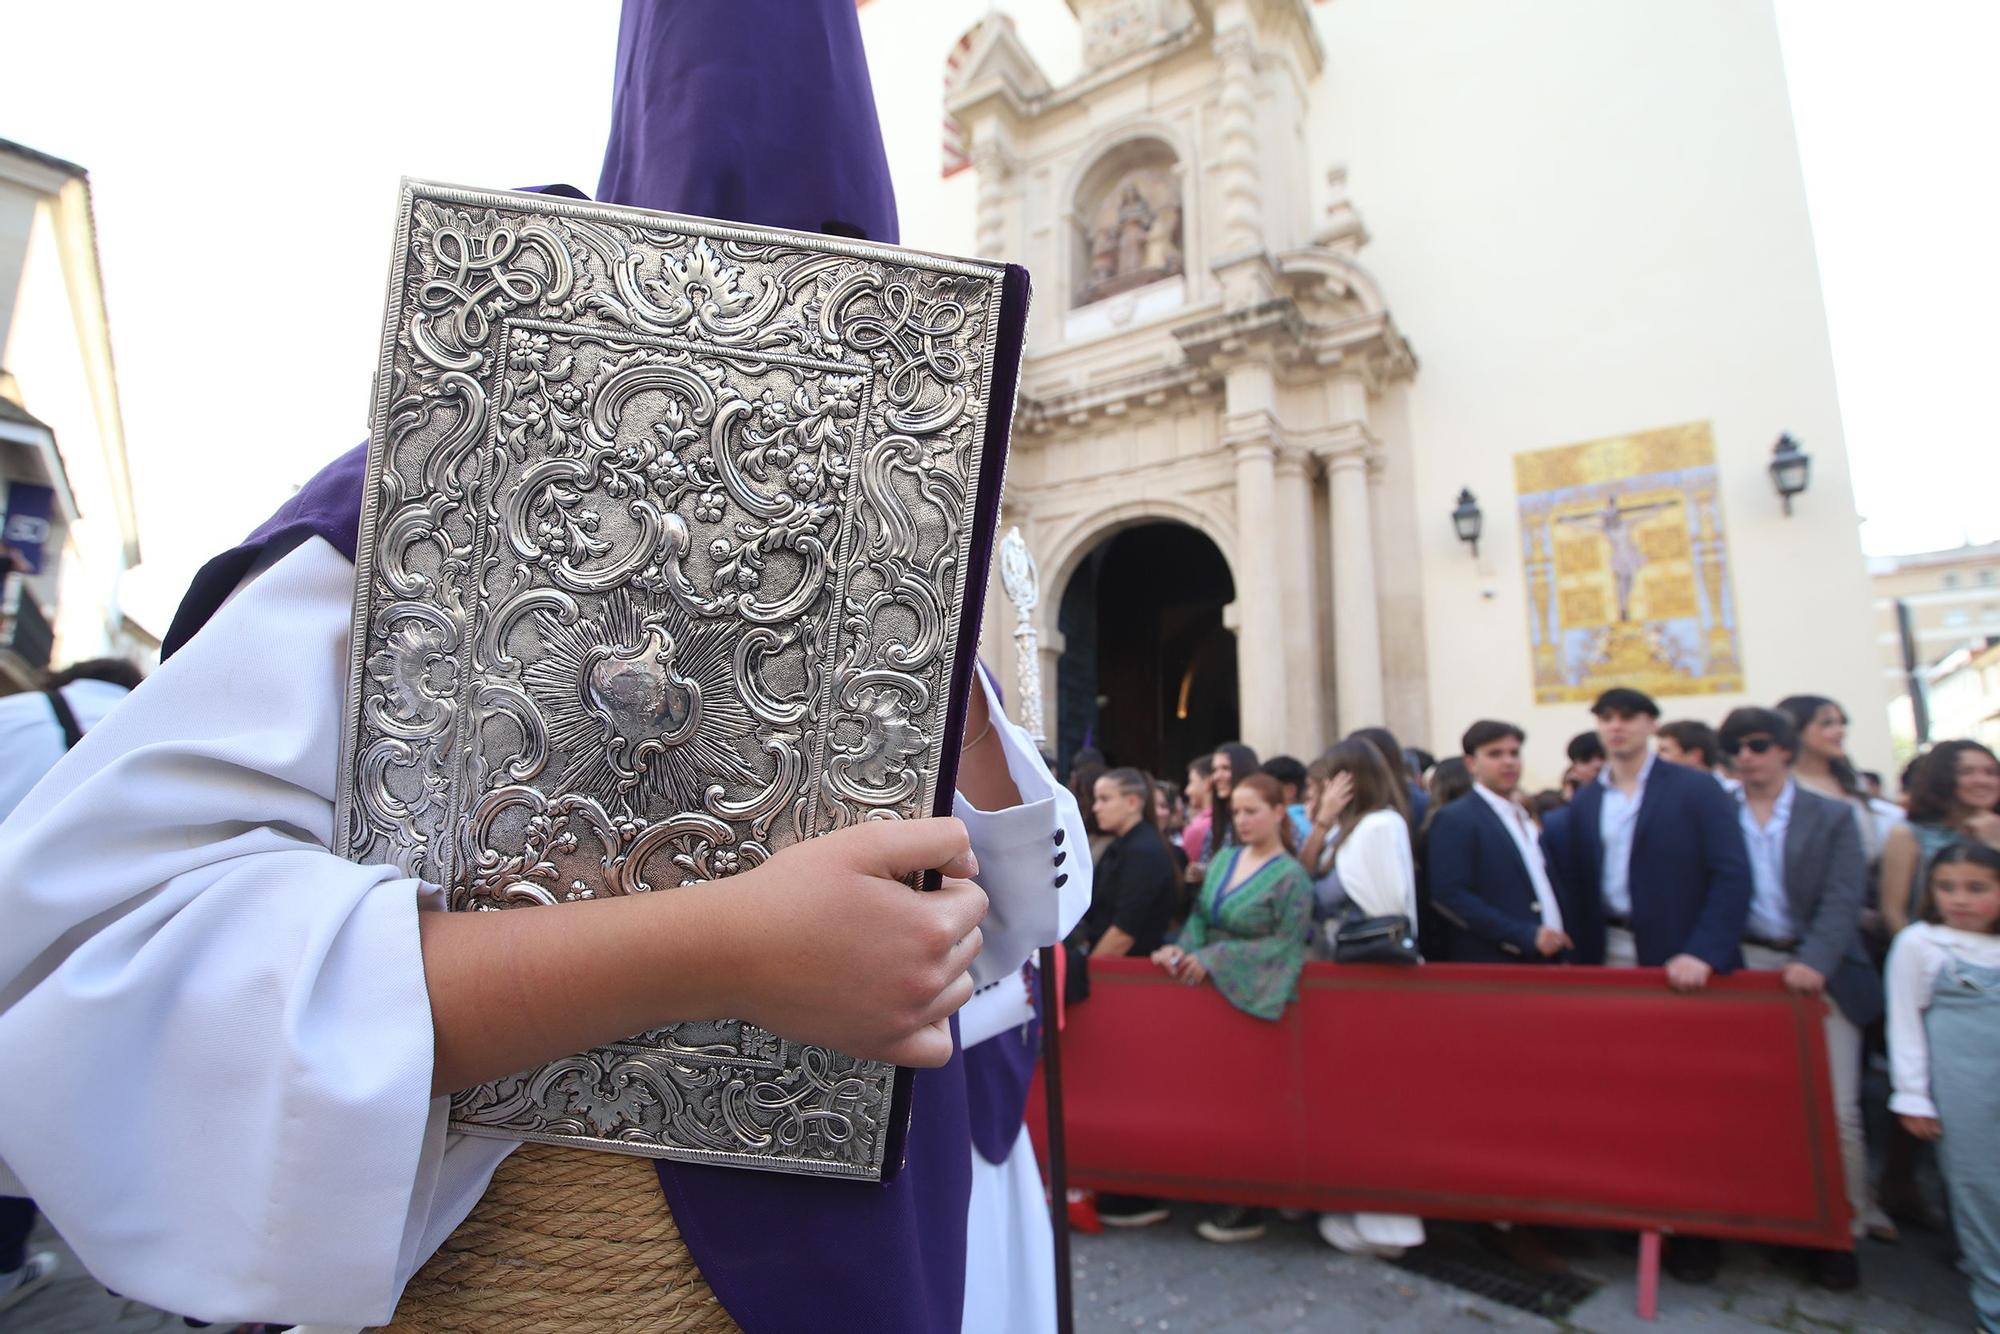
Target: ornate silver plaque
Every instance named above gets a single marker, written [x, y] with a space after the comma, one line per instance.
[672, 550]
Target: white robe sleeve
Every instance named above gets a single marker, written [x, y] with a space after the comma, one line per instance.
[1034, 858]
[216, 1034]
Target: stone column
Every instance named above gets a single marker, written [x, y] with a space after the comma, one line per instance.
[1260, 643]
[1298, 605]
[1357, 630]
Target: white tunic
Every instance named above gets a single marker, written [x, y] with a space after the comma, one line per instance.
[1010, 1263]
[215, 1032]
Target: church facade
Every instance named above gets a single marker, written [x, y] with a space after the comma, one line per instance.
[1247, 415]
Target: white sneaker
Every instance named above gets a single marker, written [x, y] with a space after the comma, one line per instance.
[1339, 1232]
[30, 1278]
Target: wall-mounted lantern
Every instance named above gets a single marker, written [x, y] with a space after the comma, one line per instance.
[1791, 469]
[1467, 519]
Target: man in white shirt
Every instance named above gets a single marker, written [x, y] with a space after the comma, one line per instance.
[1484, 863]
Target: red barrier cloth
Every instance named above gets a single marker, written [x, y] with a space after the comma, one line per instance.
[1581, 1096]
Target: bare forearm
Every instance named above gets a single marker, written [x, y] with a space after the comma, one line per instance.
[1114, 944]
[983, 778]
[510, 990]
[1899, 866]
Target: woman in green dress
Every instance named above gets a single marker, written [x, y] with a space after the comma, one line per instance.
[1248, 935]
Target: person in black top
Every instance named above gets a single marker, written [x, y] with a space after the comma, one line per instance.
[1137, 883]
[1133, 901]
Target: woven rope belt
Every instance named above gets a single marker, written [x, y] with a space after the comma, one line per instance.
[564, 1240]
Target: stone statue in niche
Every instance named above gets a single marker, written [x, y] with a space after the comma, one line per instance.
[1134, 234]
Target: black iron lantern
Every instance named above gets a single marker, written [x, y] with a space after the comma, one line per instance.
[1467, 519]
[1791, 469]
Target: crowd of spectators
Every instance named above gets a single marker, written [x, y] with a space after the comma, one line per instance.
[1692, 849]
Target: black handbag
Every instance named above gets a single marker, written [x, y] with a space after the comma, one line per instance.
[1376, 940]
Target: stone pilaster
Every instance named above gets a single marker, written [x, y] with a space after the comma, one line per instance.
[1260, 649]
[1357, 629]
[1298, 604]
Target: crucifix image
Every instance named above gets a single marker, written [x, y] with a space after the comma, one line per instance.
[1626, 558]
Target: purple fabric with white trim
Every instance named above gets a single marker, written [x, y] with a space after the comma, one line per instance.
[998, 1072]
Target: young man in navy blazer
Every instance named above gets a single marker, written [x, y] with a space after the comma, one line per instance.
[1659, 877]
[1487, 873]
[1654, 857]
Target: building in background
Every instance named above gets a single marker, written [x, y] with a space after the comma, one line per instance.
[1583, 299]
[71, 530]
[1936, 614]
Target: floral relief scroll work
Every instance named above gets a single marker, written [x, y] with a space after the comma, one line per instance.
[665, 532]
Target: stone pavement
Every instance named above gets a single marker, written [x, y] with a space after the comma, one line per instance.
[76, 1303]
[1166, 1278]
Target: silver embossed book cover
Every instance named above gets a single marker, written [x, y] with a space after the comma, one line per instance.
[673, 544]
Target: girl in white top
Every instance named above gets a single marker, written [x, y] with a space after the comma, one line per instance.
[1944, 1049]
[1377, 874]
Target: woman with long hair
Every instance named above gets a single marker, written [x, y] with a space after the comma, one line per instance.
[1247, 934]
[1233, 763]
[1412, 802]
[1200, 794]
[1363, 820]
[1822, 766]
[1954, 798]
[1377, 877]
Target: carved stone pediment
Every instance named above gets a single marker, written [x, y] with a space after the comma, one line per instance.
[1114, 28]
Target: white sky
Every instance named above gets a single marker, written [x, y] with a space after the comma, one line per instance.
[244, 161]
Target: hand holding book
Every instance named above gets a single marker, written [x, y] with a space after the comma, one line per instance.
[824, 944]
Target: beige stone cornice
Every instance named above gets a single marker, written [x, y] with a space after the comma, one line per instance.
[1347, 440]
[1253, 332]
[1151, 391]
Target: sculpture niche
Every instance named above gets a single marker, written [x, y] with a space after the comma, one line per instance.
[1133, 233]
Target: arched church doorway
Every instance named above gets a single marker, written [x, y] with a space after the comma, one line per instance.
[1148, 671]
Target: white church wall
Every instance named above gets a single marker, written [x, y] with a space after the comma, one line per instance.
[1590, 220]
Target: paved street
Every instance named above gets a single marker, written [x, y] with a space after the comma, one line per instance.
[1166, 1278]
